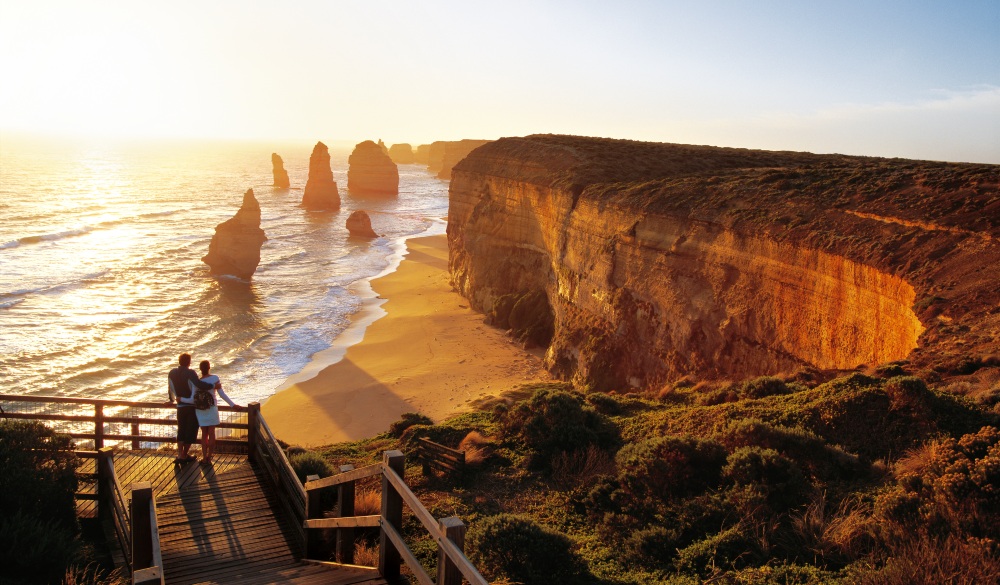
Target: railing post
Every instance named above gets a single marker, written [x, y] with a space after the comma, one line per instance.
[345, 536]
[103, 462]
[253, 413]
[135, 436]
[392, 513]
[142, 534]
[454, 530]
[98, 424]
[314, 509]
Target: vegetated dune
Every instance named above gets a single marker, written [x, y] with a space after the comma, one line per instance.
[649, 262]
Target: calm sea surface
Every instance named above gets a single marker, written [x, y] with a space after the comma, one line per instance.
[102, 284]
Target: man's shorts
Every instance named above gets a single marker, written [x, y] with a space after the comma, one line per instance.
[187, 425]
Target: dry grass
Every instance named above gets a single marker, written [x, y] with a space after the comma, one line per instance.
[366, 554]
[925, 561]
[367, 502]
[577, 467]
[93, 575]
[476, 447]
[848, 534]
[915, 461]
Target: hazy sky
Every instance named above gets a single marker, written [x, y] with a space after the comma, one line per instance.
[913, 79]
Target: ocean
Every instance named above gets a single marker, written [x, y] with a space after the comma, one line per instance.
[102, 284]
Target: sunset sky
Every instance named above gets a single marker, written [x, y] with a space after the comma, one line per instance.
[913, 79]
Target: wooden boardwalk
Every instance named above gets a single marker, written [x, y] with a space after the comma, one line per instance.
[223, 524]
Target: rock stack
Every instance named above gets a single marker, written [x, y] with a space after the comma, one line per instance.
[321, 190]
[401, 154]
[423, 154]
[371, 172]
[382, 145]
[454, 152]
[360, 225]
[280, 174]
[235, 247]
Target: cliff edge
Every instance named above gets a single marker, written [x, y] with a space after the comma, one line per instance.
[648, 262]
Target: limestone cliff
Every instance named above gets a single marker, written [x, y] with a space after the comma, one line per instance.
[235, 247]
[454, 152]
[423, 154]
[279, 172]
[401, 154]
[371, 171]
[321, 190]
[661, 260]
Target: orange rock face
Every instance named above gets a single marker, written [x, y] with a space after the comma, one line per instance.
[423, 154]
[371, 171]
[360, 225]
[235, 247]
[662, 260]
[454, 152]
[321, 190]
[401, 154]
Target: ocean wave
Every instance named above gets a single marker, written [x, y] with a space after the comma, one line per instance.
[15, 296]
[8, 304]
[45, 237]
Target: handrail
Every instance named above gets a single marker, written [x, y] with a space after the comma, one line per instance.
[118, 509]
[440, 531]
[99, 435]
[271, 457]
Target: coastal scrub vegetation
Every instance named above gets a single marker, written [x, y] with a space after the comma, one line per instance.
[40, 537]
[857, 479]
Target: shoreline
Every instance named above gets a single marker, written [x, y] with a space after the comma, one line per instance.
[415, 346]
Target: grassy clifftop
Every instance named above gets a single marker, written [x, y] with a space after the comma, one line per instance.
[860, 479]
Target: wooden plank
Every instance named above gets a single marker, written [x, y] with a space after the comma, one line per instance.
[345, 522]
[404, 551]
[335, 480]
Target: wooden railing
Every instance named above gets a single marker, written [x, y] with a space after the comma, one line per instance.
[267, 454]
[448, 533]
[439, 457]
[107, 425]
[147, 560]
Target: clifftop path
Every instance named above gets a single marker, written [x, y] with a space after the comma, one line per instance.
[663, 260]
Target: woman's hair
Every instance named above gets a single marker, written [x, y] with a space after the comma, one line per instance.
[204, 367]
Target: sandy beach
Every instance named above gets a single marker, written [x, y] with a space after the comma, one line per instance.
[430, 354]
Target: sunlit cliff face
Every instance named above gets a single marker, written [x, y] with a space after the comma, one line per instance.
[652, 280]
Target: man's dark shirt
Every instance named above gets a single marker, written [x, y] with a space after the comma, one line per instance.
[180, 377]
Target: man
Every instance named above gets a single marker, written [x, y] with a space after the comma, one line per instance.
[181, 382]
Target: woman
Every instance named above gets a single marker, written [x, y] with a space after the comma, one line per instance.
[208, 418]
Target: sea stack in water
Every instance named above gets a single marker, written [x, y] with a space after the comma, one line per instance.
[370, 171]
[360, 225]
[280, 174]
[321, 190]
[401, 154]
[235, 247]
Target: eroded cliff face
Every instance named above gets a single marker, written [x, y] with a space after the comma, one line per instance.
[371, 171]
[661, 261]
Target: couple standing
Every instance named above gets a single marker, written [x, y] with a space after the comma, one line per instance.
[183, 385]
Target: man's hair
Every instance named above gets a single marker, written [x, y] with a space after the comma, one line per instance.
[185, 360]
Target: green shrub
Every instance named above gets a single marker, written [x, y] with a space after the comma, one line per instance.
[666, 467]
[809, 450]
[777, 477]
[34, 548]
[654, 546]
[38, 472]
[764, 386]
[518, 549]
[604, 403]
[407, 420]
[729, 549]
[555, 421]
[310, 463]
